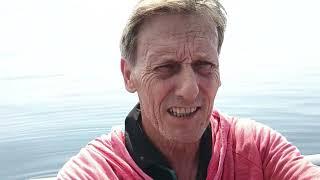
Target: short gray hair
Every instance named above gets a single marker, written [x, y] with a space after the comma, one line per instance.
[148, 8]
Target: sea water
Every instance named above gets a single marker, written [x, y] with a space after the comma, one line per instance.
[45, 120]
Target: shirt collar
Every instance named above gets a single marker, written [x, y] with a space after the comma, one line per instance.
[148, 157]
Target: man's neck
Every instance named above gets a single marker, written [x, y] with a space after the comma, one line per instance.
[182, 157]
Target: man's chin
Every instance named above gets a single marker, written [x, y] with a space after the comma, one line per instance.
[184, 137]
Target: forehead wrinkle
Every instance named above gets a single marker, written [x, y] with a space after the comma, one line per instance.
[163, 44]
[162, 37]
[160, 54]
[186, 36]
[196, 48]
[187, 48]
[199, 47]
[203, 44]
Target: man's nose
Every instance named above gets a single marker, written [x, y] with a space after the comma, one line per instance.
[187, 84]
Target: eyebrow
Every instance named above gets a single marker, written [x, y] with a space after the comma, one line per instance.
[162, 54]
[170, 57]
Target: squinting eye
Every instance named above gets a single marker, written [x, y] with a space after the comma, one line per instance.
[204, 67]
[167, 69]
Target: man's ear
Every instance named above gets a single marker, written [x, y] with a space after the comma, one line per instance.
[127, 74]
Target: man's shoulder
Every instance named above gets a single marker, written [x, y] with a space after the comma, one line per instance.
[241, 126]
[106, 157]
[247, 138]
[105, 153]
[108, 141]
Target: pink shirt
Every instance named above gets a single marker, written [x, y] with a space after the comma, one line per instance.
[242, 150]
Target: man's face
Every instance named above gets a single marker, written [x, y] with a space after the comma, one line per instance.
[176, 76]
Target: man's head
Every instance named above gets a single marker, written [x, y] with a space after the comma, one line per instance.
[146, 9]
[175, 73]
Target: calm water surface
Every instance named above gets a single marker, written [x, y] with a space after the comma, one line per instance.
[38, 135]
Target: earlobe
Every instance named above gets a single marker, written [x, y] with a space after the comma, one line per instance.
[126, 69]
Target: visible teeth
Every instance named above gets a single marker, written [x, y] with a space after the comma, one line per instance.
[182, 112]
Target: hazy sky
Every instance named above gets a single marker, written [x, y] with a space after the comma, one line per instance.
[67, 41]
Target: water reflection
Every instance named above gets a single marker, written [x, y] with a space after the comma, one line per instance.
[37, 137]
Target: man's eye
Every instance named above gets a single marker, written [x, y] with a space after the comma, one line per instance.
[205, 67]
[167, 69]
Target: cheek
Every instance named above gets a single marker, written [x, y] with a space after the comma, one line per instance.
[216, 78]
[209, 87]
[152, 92]
[210, 83]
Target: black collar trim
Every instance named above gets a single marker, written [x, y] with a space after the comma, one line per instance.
[150, 159]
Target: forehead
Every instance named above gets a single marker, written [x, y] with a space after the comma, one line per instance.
[165, 31]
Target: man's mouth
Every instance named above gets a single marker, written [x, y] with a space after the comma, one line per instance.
[182, 111]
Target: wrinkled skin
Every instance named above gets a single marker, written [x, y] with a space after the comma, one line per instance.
[176, 66]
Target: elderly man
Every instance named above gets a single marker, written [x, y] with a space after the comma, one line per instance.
[170, 57]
